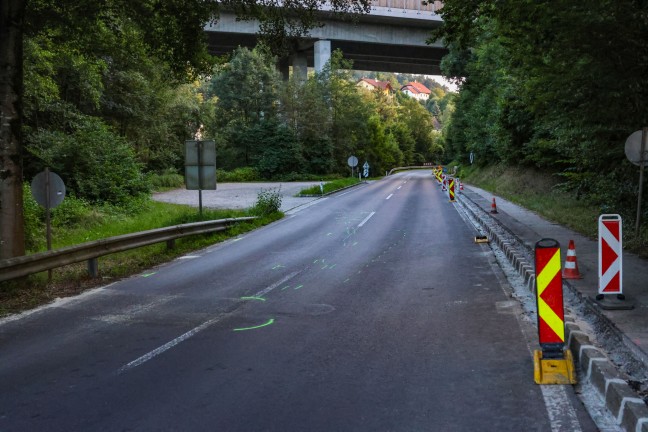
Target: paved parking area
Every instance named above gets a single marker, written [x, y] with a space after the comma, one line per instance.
[238, 195]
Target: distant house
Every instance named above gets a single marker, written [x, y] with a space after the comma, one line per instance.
[416, 90]
[372, 84]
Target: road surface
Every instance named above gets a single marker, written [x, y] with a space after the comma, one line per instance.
[369, 310]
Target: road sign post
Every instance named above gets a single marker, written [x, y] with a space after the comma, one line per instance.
[352, 162]
[200, 167]
[553, 364]
[48, 190]
[636, 150]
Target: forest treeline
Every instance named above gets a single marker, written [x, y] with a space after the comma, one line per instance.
[108, 115]
[555, 86]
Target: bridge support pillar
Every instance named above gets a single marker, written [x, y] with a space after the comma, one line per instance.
[300, 66]
[322, 54]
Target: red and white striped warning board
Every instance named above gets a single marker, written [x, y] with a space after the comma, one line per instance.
[610, 254]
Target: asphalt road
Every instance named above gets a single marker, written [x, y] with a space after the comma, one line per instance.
[370, 310]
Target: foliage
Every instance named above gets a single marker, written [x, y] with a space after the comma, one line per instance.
[34, 215]
[552, 85]
[268, 202]
[94, 162]
[246, 174]
[246, 89]
[169, 179]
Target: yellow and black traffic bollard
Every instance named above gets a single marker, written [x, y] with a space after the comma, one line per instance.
[451, 189]
[553, 364]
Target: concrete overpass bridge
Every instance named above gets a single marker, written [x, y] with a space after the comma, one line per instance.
[391, 38]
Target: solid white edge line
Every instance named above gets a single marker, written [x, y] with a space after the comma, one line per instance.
[366, 219]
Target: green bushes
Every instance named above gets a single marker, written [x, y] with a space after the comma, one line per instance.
[95, 163]
[169, 179]
[246, 174]
[268, 202]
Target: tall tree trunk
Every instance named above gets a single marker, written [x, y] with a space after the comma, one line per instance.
[12, 231]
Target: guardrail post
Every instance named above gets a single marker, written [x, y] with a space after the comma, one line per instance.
[93, 268]
[170, 244]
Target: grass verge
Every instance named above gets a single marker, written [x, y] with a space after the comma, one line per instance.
[32, 291]
[329, 187]
[537, 191]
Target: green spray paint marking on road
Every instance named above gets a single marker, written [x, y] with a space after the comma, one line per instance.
[347, 280]
[148, 274]
[329, 234]
[286, 287]
[271, 321]
[277, 266]
[315, 262]
[298, 287]
[325, 267]
[355, 243]
[333, 266]
[253, 298]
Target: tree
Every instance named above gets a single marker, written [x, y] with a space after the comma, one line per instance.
[12, 235]
[246, 89]
[304, 108]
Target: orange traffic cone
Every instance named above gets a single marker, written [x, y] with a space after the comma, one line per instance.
[571, 264]
[493, 206]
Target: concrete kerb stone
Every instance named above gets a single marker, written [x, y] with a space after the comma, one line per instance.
[631, 411]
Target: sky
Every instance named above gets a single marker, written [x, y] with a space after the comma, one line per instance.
[440, 79]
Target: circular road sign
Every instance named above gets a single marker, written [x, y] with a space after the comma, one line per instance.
[56, 189]
[352, 161]
[633, 149]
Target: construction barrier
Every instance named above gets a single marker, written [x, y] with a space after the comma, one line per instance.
[553, 364]
[451, 190]
[610, 264]
[610, 254]
[493, 207]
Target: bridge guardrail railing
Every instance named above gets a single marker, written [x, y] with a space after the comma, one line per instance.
[13, 268]
[410, 168]
[417, 5]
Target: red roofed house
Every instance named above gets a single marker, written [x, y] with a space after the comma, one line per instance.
[416, 90]
[371, 84]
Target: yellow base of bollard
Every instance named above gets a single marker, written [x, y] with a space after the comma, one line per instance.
[553, 371]
[481, 239]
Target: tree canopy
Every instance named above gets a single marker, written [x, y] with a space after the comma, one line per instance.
[554, 85]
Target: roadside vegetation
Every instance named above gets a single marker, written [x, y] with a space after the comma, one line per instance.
[543, 194]
[329, 187]
[553, 89]
[77, 222]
